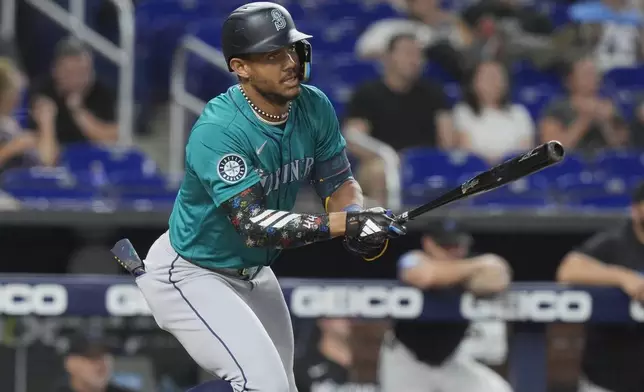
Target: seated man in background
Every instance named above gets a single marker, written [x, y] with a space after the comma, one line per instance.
[71, 105]
[401, 109]
[613, 354]
[327, 364]
[18, 148]
[417, 356]
[89, 367]
[583, 120]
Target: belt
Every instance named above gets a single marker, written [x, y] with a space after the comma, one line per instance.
[240, 273]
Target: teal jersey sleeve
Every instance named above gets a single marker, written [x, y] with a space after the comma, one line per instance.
[329, 139]
[221, 162]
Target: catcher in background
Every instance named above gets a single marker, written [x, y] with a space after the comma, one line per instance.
[425, 357]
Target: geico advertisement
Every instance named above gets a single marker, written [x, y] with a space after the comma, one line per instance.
[20, 299]
[356, 301]
[535, 305]
[126, 300]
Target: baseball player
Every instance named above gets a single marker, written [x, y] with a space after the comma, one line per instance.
[425, 357]
[208, 280]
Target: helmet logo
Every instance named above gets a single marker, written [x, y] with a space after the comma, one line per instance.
[278, 19]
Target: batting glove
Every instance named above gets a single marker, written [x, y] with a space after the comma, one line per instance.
[368, 232]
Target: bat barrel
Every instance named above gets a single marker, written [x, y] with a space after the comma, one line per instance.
[556, 151]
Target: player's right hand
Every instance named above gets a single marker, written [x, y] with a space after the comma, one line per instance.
[368, 232]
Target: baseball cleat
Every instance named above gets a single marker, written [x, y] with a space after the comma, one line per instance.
[126, 255]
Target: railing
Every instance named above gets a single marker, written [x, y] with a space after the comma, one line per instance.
[182, 100]
[73, 20]
[390, 160]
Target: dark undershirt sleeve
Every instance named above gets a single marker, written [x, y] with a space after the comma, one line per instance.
[263, 227]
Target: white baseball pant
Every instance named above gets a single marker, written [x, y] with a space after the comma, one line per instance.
[399, 370]
[238, 330]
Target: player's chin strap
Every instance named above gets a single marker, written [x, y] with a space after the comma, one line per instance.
[355, 207]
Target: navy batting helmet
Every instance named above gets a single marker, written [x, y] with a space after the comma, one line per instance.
[264, 27]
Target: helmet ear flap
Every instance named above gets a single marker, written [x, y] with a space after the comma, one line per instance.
[304, 52]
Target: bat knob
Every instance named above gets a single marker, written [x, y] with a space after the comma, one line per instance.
[556, 151]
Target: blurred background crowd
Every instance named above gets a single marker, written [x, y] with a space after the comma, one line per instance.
[97, 98]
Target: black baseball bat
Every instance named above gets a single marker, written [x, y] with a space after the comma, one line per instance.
[523, 165]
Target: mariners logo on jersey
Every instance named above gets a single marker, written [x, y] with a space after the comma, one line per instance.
[232, 168]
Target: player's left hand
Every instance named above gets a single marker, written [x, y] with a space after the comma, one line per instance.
[371, 244]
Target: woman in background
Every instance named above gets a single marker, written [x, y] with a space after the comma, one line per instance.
[18, 148]
[488, 124]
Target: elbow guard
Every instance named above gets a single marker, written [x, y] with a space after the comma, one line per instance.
[331, 174]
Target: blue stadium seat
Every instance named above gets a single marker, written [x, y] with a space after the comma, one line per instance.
[206, 80]
[621, 202]
[415, 193]
[135, 191]
[573, 164]
[426, 171]
[159, 28]
[532, 191]
[49, 186]
[535, 98]
[79, 158]
[620, 163]
[504, 200]
[625, 78]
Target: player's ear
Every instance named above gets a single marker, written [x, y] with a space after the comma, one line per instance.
[240, 67]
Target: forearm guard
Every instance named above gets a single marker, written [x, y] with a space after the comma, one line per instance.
[264, 227]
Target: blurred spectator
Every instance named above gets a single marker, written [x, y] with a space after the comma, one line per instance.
[327, 367]
[637, 128]
[441, 33]
[583, 120]
[89, 367]
[507, 31]
[401, 109]
[71, 105]
[418, 356]
[610, 29]
[613, 354]
[9, 51]
[488, 124]
[18, 148]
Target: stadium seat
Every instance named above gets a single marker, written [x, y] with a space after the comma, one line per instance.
[426, 171]
[50, 187]
[573, 164]
[206, 80]
[159, 28]
[621, 202]
[628, 78]
[532, 191]
[107, 161]
[506, 200]
[129, 188]
[620, 163]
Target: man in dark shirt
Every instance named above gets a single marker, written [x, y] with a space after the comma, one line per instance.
[419, 356]
[613, 354]
[327, 366]
[70, 105]
[401, 109]
[88, 364]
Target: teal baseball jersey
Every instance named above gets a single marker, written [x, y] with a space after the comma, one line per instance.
[229, 150]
